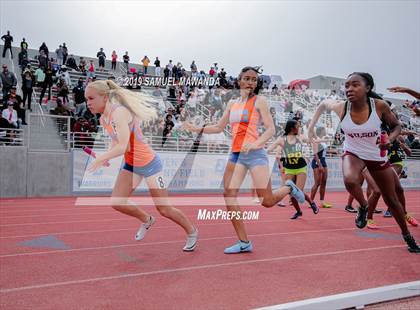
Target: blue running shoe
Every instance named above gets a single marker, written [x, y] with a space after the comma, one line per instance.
[296, 192]
[240, 247]
[387, 213]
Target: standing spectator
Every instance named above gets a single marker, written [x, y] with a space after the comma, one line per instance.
[169, 124]
[193, 68]
[8, 80]
[114, 57]
[91, 69]
[23, 59]
[10, 115]
[24, 45]
[44, 48]
[166, 72]
[65, 53]
[60, 109]
[60, 55]
[212, 72]
[157, 66]
[63, 90]
[8, 39]
[39, 76]
[126, 60]
[28, 82]
[101, 57]
[79, 97]
[71, 63]
[18, 105]
[42, 59]
[65, 75]
[82, 65]
[175, 72]
[48, 82]
[170, 66]
[145, 62]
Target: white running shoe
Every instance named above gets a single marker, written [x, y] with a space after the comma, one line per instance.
[191, 241]
[144, 227]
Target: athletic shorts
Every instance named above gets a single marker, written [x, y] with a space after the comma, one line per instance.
[296, 171]
[371, 165]
[101, 63]
[314, 164]
[152, 168]
[251, 159]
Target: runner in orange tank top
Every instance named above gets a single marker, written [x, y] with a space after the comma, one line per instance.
[248, 154]
[122, 112]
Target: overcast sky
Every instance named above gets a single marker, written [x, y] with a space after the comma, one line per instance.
[295, 39]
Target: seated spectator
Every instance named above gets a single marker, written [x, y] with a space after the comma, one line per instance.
[18, 105]
[169, 124]
[82, 132]
[60, 109]
[71, 63]
[10, 116]
[79, 97]
[82, 65]
[91, 69]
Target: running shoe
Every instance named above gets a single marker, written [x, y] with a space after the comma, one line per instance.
[191, 243]
[403, 175]
[411, 220]
[295, 191]
[296, 215]
[387, 213]
[280, 204]
[144, 227]
[361, 218]
[350, 209]
[411, 243]
[314, 208]
[326, 205]
[371, 224]
[239, 247]
[377, 210]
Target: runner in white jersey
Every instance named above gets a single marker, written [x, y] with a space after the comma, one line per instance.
[361, 117]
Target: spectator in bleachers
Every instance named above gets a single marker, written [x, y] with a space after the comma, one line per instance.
[114, 57]
[44, 48]
[157, 66]
[39, 76]
[170, 66]
[18, 105]
[126, 60]
[42, 59]
[63, 90]
[212, 72]
[60, 55]
[166, 72]
[71, 63]
[8, 39]
[193, 68]
[28, 83]
[82, 65]
[54, 66]
[83, 130]
[101, 58]
[48, 82]
[65, 53]
[145, 62]
[91, 69]
[169, 124]
[64, 74]
[175, 72]
[24, 45]
[8, 80]
[274, 89]
[79, 97]
[10, 115]
[23, 59]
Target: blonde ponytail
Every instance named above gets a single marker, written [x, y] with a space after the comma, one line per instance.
[137, 103]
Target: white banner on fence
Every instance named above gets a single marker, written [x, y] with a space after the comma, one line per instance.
[203, 172]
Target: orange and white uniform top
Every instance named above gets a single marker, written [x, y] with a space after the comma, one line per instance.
[244, 120]
[138, 153]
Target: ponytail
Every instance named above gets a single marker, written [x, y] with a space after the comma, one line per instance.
[137, 103]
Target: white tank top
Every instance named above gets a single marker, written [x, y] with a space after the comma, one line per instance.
[362, 140]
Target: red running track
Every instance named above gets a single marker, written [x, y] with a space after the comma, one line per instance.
[95, 263]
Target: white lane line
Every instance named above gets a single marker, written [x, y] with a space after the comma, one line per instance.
[191, 268]
[173, 241]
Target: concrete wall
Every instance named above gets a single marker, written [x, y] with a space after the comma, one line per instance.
[33, 174]
[13, 176]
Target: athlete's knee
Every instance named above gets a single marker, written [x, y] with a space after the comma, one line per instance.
[118, 202]
[267, 202]
[229, 193]
[164, 210]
